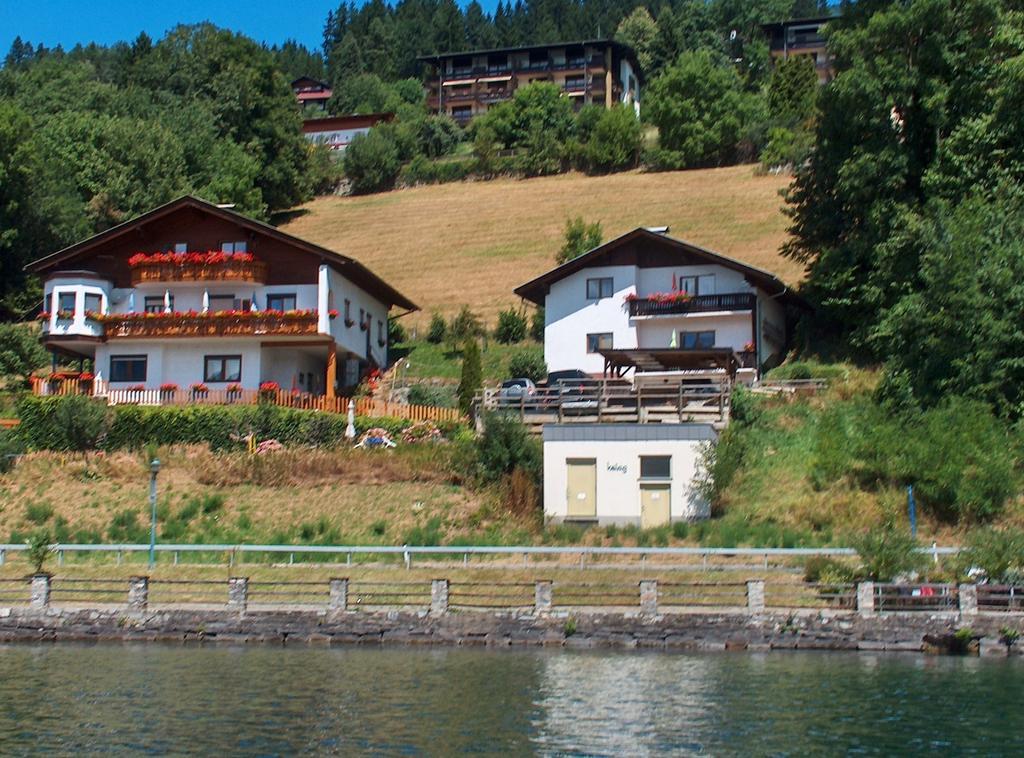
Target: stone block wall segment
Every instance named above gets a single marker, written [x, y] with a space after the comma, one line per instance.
[439, 597]
[238, 593]
[866, 599]
[339, 595]
[542, 597]
[138, 593]
[755, 596]
[968, 595]
[649, 597]
[40, 597]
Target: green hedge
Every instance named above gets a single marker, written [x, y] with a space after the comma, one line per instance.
[132, 426]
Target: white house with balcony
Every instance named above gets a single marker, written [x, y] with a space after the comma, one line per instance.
[666, 328]
[193, 295]
[650, 303]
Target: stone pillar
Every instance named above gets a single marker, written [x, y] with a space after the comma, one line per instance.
[649, 597]
[238, 593]
[866, 599]
[968, 599]
[542, 598]
[40, 597]
[138, 593]
[339, 595]
[755, 597]
[439, 597]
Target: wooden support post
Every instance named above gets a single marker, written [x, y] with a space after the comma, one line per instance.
[332, 369]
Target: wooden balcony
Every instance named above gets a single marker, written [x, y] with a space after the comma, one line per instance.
[732, 301]
[228, 271]
[136, 325]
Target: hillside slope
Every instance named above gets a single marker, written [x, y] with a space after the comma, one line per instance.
[473, 242]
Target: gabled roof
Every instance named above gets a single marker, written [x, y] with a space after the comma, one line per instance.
[537, 289]
[351, 269]
[311, 80]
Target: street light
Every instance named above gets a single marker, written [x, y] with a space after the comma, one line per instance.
[154, 469]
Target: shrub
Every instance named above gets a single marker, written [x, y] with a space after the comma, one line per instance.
[616, 140]
[437, 330]
[372, 160]
[11, 447]
[522, 496]
[422, 170]
[83, 421]
[996, 552]
[425, 535]
[511, 327]
[439, 396]
[20, 352]
[821, 568]
[39, 549]
[124, 528]
[537, 325]
[472, 376]
[786, 147]
[38, 513]
[396, 332]
[528, 363]
[887, 552]
[579, 237]
[504, 446]
[464, 325]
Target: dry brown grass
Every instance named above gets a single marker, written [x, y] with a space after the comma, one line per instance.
[473, 242]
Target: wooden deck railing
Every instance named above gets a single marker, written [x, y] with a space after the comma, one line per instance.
[729, 301]
[364, 406]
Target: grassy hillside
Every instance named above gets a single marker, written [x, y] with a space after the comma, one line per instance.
[473, 242]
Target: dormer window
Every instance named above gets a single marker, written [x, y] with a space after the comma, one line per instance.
[234, 247]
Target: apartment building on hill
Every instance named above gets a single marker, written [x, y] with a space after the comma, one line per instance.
[467, 84]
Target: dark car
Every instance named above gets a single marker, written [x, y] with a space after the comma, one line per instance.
[571, 387]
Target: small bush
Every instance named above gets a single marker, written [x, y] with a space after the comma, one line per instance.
[426, 535]
[995, 551]
[680, 530]
[437, 330]
[464, 325]
[211, 504]
[372, 161]
[886, 553]
[39, 549]
[396, 332]
[511, 327]
[528, 363]
[38, 513]
[537, 325]
[10, 448]
[379, 527]
[440, 396]
[821, 568]
[504, 447]
[522, 496]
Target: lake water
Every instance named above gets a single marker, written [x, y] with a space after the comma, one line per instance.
[233, 700]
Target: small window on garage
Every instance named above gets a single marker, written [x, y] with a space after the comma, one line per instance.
[655, 466]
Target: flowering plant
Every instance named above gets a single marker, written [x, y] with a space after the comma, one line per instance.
[136, 388]
[229, 314]
[424, 431]
[269, 389]
[209, 258]
[661, 297]
[92, 315]
[749, 347]
[65, 314]
[198, 388]
[332, 313]
[234, 389]
[43, 316]
[168, 387]
[85, 376]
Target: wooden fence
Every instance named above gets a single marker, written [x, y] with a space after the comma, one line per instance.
[364, 406]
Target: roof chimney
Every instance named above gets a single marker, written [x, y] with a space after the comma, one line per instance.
[658, 229]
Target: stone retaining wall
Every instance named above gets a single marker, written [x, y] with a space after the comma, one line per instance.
[680, 631]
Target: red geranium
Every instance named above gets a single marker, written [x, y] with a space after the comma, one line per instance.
[270, 387]
[168, 387]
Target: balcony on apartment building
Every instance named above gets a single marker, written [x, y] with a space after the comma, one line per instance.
[210, 324]
[527, 67]
[681, 304]
[213, 266]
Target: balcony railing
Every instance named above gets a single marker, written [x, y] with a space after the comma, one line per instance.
[227, 271]
[121, 326]
[732, 301]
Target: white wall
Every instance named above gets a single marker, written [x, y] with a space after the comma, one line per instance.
[569, 317]
[181, 361]
[188, 296]
[618, 478]
[733, 330]
[284, 364]
[79, 325]
[353, 338]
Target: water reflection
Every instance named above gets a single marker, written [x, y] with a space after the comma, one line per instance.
[234, 700]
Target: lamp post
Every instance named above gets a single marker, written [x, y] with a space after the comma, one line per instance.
[154, 469]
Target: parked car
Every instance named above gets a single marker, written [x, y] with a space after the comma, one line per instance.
[572, 389]
[515, 391]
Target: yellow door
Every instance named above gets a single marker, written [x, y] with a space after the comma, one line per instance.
[581, 476]
[655, 505]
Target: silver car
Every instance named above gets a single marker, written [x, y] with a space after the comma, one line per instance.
[514, 391]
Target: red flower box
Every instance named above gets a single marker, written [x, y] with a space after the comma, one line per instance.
[43, 316]
[137, 388]
[209, 258]
[169, 387]
[199, 389]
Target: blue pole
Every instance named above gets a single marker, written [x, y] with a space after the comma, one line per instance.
[154, 467]
[912, 511]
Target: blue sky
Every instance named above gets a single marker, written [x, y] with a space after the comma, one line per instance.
[68, 22]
